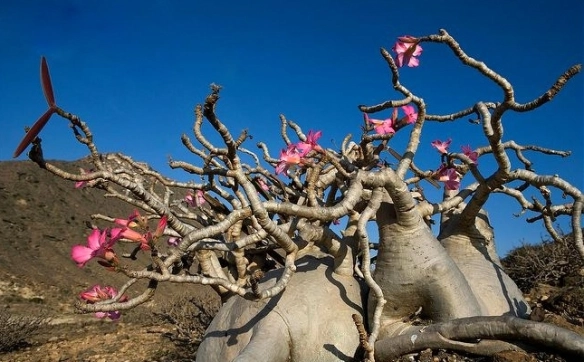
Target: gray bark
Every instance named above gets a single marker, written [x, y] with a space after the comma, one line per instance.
[414, 271]
[310, 321]
[478, 335]
[472, 248]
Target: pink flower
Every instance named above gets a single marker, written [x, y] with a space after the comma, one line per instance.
[174, 241]
[137, 220]
[161, 226]
[115, 315]
[407, 49]
[97, 293]
[411, 114]
[196, 200]
[381, 127]
[289, 157]
[473, 155]
[134, 220]
[99, 245]
[131, 221]
[310, 144]
[442, 147]
[81, 184]
[262, 183]
[449, 176]
[94, 294]
[133, 235]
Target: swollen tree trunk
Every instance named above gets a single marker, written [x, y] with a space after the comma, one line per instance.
[311, 320]
[413, 271]
[472, 248]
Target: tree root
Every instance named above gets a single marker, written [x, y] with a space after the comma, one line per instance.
[482, 336]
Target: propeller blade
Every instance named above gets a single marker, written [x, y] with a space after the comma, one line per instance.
[46, 83]
[33, 132]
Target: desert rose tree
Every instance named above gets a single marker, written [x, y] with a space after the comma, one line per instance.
[261, 230]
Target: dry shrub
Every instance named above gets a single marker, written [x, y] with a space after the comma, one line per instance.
[190, 316]
[552, 263]
[552, 275]
[15, 330]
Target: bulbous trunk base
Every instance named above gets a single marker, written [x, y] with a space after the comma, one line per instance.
[310, 321]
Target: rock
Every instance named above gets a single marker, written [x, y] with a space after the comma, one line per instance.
[513, 356]
[426, 355]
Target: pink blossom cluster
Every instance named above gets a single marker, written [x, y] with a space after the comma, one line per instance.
[100, 242]
[447, 173]
[294, 155]
[196, 199]
[407, 48]
[100, 245]
[97, 293]
[386, 126]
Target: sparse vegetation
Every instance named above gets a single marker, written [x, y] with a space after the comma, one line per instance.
[552, 263]
[190, 316]
[552, 275]
[15, 329]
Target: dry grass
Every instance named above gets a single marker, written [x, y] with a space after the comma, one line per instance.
[553, 263]
[189, 316]
[551, 274]
[16, 330]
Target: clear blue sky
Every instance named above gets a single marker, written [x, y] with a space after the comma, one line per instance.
[135, 69]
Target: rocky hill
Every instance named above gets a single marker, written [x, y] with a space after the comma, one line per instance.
[41, 218]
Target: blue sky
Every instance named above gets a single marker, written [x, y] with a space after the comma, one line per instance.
[135, 69]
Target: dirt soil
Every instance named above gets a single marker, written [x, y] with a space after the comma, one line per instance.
[41, 217]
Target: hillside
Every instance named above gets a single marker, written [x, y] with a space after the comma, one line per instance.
[41, 218]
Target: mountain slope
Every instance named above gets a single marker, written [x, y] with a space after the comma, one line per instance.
[41, 218]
